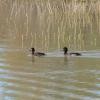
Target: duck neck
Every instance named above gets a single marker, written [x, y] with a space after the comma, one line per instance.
[65, 53]
[33, 51]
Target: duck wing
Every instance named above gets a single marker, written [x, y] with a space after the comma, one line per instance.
[39, 54]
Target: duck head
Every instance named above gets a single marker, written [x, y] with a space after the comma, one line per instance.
[33, 50]
[65, 49]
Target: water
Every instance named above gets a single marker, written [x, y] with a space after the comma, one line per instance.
[52, 77]
[49, 28]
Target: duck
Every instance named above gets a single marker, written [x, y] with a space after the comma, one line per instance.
[37, 53]
[65, 49]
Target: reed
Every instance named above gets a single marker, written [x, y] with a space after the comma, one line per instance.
[65, 22]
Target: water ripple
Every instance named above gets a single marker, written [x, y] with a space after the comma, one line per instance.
[43, 85]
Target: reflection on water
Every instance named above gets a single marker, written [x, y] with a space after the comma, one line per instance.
[49, 25]
[53, 78]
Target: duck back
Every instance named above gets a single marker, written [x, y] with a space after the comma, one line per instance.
[77, 54]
